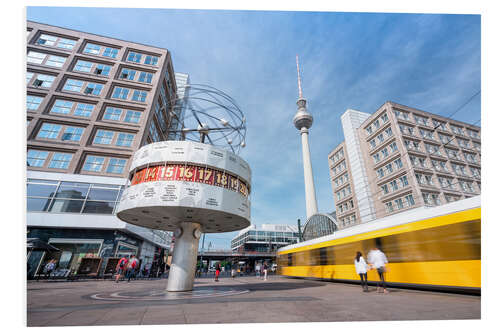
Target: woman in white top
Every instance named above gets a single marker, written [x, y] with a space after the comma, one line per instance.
[360, 265]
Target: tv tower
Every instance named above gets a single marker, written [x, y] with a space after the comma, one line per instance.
[303, 121]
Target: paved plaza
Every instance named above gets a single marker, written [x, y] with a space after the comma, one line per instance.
[240, 300]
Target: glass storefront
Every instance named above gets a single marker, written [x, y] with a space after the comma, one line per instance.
[69, 257]
[72, 197]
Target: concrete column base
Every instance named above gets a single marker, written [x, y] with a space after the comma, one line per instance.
[183, 267]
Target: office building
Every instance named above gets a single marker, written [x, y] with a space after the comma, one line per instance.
[400, 158]
[264, 238]
[92, 101]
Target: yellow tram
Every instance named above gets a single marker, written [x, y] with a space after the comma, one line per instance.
[431, 248]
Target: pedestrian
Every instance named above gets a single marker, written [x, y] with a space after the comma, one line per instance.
[378, 260]
[233, 272]
[360, 265]
[131, 266]
[217, 272]
[257, 271]
[120, 268]
[264, 269]
[49, 268]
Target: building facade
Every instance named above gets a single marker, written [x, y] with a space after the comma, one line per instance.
[92, 101]
[400, 158]
[265, 238]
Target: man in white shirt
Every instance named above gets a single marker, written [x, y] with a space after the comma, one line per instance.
[377, 259]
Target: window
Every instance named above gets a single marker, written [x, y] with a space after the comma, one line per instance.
[62, 107]
[145, 77]
[385, 152]
[444, 138]
[394, 185]
[44, 81]
[103, 137]
[112, 113]
[72, 134]
[121, 93]
[151, 60]
[384, 188]
[421, 162]
[442, 164]
[380, 138]
[388, 168]
[49, 131]
[127, 74]
[401, 115]
[134, 57]
[394, 147]
[63, 43]
[389, 207]
[132, 116]
[376, 158]
[92, 49]
[93, 163]
[35, 57]
[404, 181]
[388, 131]
[380, 173]
[376, 123]
[55, 61]
[398, 163]
[29, 76]
[125, 140]
[452, 153]
[84, 110]
[33, 102]
[428, 179]
[369, 130]
[36, 158]
[116, 165]
[473, 134]
[426, 134]
[67, 44]
[438, 124]
[110, 52]
[93, 89]
[60, 161]
[46, 40]
[139, 96]
[372, 143]
[421, 120]
[399, 203]
[409, 200]
[384, 118]
[73, 85]
[83, 66]
[103, 70]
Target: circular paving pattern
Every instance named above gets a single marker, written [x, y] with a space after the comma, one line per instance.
[163, 295]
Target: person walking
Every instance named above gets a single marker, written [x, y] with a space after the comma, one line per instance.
[217, 272]
[120, 268]
[378, 260]
[131, 266]
[49, 268]
[360, 265]
[264, 269]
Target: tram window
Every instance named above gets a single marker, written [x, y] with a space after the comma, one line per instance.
[290, 259]
[345, 253]
[314, 257]
[322, 256]
[302, 258]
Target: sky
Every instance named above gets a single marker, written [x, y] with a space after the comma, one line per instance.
[348, 61]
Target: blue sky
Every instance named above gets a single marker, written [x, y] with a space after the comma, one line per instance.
[348, 60]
